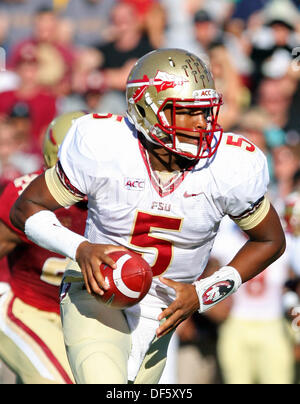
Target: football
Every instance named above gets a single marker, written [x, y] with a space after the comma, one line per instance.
[129, 282]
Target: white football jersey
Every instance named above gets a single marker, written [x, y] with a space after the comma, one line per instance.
[173, 228]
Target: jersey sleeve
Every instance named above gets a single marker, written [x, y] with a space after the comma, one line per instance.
[77, 163]
[245, 182]
[246, 195]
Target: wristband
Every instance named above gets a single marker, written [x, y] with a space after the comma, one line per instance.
[217, 287]
[44, 229]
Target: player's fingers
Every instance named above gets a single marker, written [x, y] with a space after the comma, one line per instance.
[86, 281]
[170, 310]
[95, 287]
[106, 259]
[167, 312]
[110, 248]
[169, 282]
[171, 323]
[98, 277]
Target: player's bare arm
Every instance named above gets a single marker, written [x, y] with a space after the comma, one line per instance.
[265, 245]
[37, 198]
[8, 240]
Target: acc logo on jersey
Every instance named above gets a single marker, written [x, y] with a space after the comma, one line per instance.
[134, 184]
[217, 292]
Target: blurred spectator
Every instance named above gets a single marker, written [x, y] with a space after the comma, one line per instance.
[19, 15]
[292, 126]
[152, 18]
[155, 24]
[179, 24]
[209, 34]
[274, 42]
[274, 96]
[117, 57]
[142, 6]
[130, 42]
[8, 147]
[244, 9]
[254, 345]
[286, 162]
[221, 10]
[13, 161]
[22, 122]
[54, 58]
[41, 105]
[256, 125]
[90, 19]
[89, 89]
[207, 30]
[228, 82]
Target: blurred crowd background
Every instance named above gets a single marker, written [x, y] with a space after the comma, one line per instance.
[67, 55]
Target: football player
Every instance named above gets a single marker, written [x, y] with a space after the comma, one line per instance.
[31, 341]
[158, 182]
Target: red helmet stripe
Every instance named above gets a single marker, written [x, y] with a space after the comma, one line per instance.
[51, 137]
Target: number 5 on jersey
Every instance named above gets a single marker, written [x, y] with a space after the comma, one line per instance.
[238, 141]
[142, 236]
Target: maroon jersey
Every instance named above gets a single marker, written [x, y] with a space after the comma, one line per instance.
[35, 273]
[4, 271]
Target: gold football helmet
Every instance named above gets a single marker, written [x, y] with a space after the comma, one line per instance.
[170, 79]
[55, 134]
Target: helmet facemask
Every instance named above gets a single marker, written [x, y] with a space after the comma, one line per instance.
[167, 132]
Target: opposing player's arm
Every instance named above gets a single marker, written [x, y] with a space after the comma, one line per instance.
[35, 198]
[34, 214]
[8, 240]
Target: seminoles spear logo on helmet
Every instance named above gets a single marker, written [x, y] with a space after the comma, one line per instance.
[162, 81]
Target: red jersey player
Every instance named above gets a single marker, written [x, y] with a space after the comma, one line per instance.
[31, 341]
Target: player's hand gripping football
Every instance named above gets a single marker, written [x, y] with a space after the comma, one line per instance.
[185, 304]
[89, 257]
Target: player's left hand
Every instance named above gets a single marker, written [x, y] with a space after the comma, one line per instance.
[185, 304]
